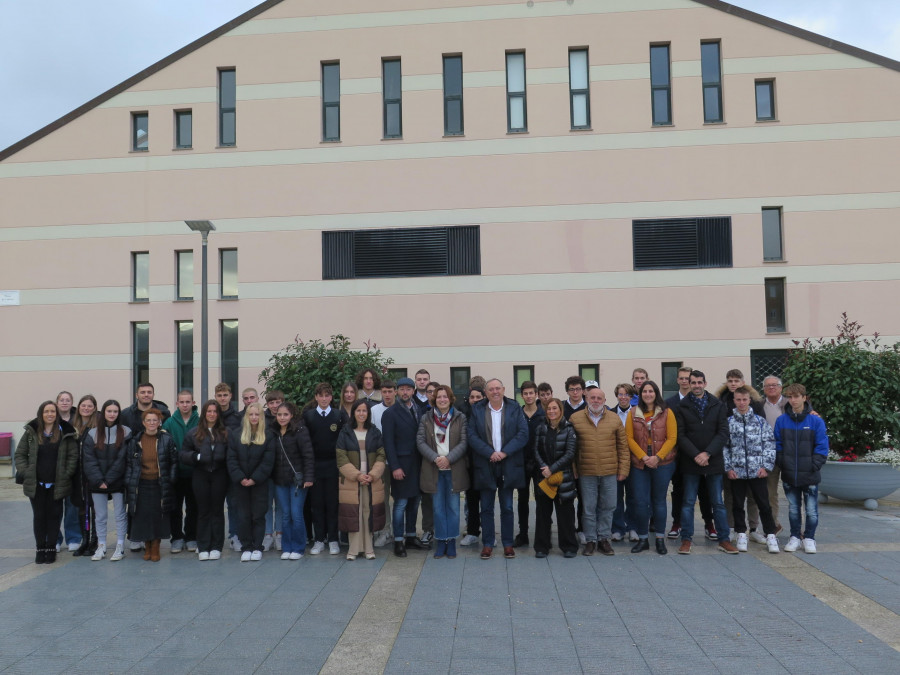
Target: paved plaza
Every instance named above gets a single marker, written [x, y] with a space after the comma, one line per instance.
[834, 612]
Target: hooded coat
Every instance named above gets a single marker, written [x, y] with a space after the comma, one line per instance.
[66, 460]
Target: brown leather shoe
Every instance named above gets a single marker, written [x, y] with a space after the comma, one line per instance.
[487, 552]
[148, 547]
[509, 552]
[154, 550]
[604, 547]
[727, 547]
[685, 548]
[589, 548]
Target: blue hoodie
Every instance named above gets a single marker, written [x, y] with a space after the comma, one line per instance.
[801, 447]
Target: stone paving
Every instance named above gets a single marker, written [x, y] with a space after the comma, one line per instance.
[703, 613]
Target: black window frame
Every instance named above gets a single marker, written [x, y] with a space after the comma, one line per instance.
[586, 92]
[184, 356]
[584, 374]
[452, 98]
[767, 363]
[226, 362]
[712, 83]
[137, 269]
[387, 102]
[179, 276]
[136, 117]
[770, 84]
[222, 252]
[518, 380]
[656, 87]
[669, 366]
[460, 385]
[140, 354]
[776, 317]
[226, 110]
[329, 69]
[768, 234]
[180, 143]
[517, 95]
[397, 373]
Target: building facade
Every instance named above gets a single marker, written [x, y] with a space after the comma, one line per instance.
[513, 189]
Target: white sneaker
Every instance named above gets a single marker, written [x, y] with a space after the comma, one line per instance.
[245, 556]
[772, 543]
[268, 540]
[215, 555]
[809, 545]
[632, 535]
[256, 556]
[616, 536]
[278, 541]
[99, 553]
[177, 545]
[581, 538]
[792, 545]
[135, 546]
[742, 542]
[192, 546]
[296, 556]
[334, 548]
[318, 547]
[235, 543]
[758, 537]
[285, 556]
[468, 540]
[74, 547]
[203, 555]
[119, 553]
[383, 538]
[57, 548]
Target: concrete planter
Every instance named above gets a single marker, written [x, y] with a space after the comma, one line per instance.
[858, 481]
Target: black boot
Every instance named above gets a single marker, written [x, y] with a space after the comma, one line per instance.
[661, 546]
[417, 544]
[50, 556]
[642, 545]
[521, 540]
[39, 556]
[85, 543]
[399, 549]
[92, 546]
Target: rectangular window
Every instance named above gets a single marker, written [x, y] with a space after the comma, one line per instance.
[407, 252]
[392, 94]
[766, 362]
[396, 373]
[775, 313]
[453, 96]
[589, 371]
[660, 85]
[184, 129]
[765, 100]
[140, 127]
[579, 89]
[184, 275]
[140, 276]
[331, 101]
[670, 378]
[522, 374]
[184, 355]
[140, 353]
[459, 382]
[227, 107]
[228, 274]
[681, 243]
[772, 237]
[711, 69]
[229, 352]
[516, 110]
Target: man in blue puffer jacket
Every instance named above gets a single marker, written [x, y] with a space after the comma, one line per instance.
[801, 448]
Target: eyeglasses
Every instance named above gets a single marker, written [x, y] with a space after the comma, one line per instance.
[572, 389]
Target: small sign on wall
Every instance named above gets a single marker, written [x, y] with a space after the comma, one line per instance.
[9, 298]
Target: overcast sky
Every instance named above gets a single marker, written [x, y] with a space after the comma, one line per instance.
[57, 54]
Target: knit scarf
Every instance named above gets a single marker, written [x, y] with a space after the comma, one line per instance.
[441, 423]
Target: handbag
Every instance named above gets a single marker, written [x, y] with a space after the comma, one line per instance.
[298, 475]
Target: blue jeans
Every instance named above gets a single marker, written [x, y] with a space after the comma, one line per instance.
[598, 493]
[488, 533]
[795, 497]
[647, 490]
[622, 521]
[714, 490]
[446, 508]
[404, 521]
[273, 514]
[71, 523]
[293, 527]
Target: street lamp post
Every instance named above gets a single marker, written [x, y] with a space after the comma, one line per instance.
[204, 227]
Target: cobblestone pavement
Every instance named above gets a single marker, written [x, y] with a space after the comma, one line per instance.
[834, 612]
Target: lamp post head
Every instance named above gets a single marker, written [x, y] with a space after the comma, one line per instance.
[202, 226]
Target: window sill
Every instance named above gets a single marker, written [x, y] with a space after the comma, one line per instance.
[774, 262]
[183, 300]
[453, 136]
[182, 149]
[778, 332]
[518, 132]
[229, 298]
[331, 141]
[668, 125]
[758, 121]
[135, 151]
[392, 138]
[139, 302]
[715, 124]
[576, 129]
[226, 147]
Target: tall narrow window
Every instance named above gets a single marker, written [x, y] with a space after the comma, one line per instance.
[228, 274]
[229, 352]
[765, 100]
[453, 96]
[184, 129]
[227, 107]
[140, 353]
[775, 313]
[711, 69]
[140, 276]
[772, 238]
[516, 109]
[660, 85]
[459, 381]
[184, 355]
[391, 91]
[184, 275]
[670, 378]
[522, 374]
[589, 371]
[579, 89]
[331, 101]
[140, 127]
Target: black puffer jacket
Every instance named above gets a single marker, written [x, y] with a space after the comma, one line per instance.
[701, 434]
[212, 451]
[167, 459]
[131, 416]
[298, 448]
[250, 460]
[106, 465]
[556, 450]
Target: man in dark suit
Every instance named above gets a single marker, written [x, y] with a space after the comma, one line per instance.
[399, 425]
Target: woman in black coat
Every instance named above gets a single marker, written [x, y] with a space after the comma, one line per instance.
[295, 470]
[554, 451]
[205, 448]
[250, 460]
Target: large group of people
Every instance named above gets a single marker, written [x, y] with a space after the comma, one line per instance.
[363, 470]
